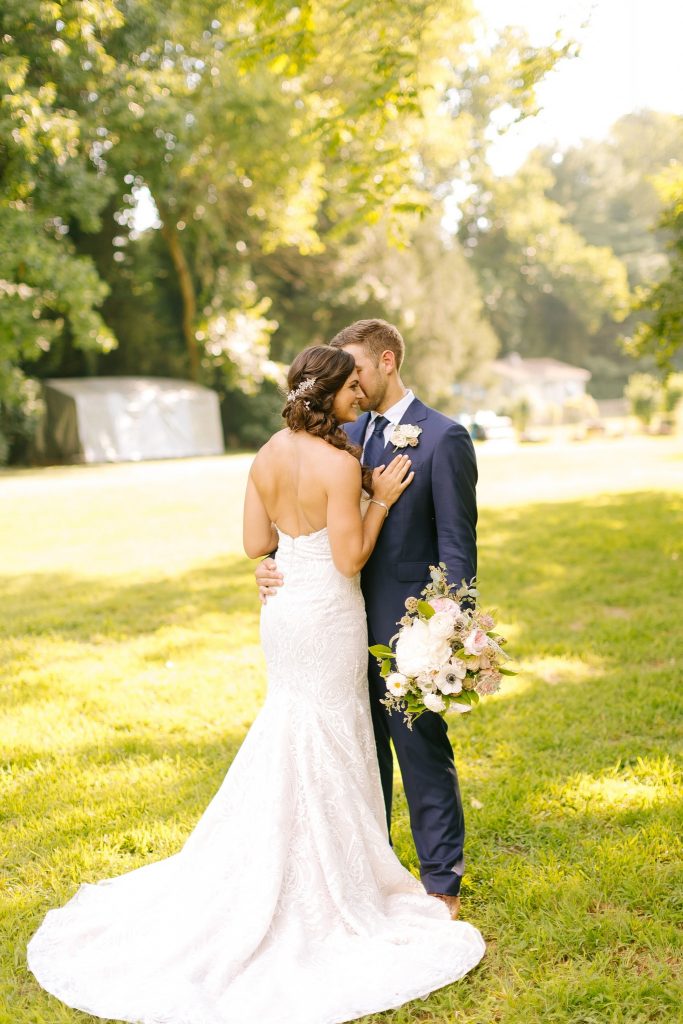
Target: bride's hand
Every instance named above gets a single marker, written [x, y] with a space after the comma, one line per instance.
[390, 482]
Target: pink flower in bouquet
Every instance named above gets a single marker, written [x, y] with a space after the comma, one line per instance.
[475, 642]
[445, 604]
[486, 622]
[488, 682]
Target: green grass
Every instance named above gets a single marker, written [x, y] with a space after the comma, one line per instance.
[130, 671]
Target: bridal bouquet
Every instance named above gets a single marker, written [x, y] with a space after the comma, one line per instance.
[446, 656]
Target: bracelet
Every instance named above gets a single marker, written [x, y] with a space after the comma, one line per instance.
[383, 504]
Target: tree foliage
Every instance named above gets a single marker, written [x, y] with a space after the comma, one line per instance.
[266, 134]
[660, 333]
[430, 291]
[546, 289]
[560, 246]
[48, 180]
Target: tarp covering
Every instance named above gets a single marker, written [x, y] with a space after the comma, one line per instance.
[122, 419]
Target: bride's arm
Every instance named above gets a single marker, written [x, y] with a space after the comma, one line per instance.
[259, 536]
[352, 536]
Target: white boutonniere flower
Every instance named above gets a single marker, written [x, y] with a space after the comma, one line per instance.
[405, 435]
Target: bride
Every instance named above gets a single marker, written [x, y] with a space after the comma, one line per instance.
[286, 905]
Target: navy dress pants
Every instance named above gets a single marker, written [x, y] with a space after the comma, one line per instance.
[425, 757]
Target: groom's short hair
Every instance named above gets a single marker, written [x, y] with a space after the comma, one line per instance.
[376, 336]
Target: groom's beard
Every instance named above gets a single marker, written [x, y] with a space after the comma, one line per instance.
[371, 401]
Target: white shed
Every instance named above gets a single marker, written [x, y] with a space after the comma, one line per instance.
[124, 419]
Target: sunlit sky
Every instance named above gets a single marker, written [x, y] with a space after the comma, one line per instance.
[630, 59]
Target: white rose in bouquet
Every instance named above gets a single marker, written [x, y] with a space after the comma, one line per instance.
[434, 702]
[441, 625]
[460, 708]
[427, 682]
[397, 684]
[418, 651]
[412, 649]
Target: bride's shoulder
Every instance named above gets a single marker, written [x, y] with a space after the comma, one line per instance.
[275, 443]
[339, 462]
[269, 455]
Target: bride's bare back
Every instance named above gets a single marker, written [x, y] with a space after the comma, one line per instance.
[303, 484]
[290, 473]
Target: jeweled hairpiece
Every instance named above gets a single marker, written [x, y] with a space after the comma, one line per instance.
[301, 389]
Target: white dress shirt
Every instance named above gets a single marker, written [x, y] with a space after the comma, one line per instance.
[394, 415]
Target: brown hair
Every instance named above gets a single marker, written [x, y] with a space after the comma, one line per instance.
[309, 405]
[376, 336]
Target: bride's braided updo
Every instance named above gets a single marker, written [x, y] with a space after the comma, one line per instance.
[314, 378]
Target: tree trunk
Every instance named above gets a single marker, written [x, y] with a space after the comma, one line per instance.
[187, 291]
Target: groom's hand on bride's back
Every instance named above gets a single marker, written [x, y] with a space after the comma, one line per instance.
[268, 579]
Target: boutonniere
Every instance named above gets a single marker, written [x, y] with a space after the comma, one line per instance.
[405, 435]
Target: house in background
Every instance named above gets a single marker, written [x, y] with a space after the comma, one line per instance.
[553, 391]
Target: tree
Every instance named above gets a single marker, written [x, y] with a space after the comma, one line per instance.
[660, 332]
[546, 290]
[607, 188]
[258, 132]
[428, 289]
[47, 176]
[265, 148]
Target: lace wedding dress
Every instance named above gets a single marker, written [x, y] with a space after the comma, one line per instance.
[286, 905]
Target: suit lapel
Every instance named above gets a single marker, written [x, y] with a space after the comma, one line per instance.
[356, 431]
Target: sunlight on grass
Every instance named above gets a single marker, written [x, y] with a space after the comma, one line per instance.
[555, 670]
[649, 782]
[131, 671]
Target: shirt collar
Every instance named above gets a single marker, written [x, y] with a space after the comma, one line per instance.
[397, 411]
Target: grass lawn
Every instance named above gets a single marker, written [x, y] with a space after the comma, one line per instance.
[130, 672]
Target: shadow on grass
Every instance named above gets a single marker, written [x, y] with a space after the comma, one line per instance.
[71, 606]
[594, 582]
[52, 610]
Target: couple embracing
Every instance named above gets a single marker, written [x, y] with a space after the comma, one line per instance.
[287, 905]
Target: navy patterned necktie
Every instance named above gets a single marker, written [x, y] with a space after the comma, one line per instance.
[374, 449]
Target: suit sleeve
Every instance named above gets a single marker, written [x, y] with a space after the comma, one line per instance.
[454, 482]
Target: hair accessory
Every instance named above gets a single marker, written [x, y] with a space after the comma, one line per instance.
[301, 389]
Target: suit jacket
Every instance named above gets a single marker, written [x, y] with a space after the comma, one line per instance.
[434, 520]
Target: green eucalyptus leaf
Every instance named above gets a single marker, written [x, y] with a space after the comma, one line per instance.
[381, 651]
[425, 609]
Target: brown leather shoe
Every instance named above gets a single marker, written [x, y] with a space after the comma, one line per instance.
[452, 902]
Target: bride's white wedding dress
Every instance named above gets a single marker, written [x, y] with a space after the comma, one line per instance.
[286, 903]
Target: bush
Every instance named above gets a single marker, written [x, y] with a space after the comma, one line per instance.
[580, 408]
[249, 420]
[643, 393]
[21, 410]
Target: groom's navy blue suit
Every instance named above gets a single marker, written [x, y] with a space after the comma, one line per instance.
[433, 521]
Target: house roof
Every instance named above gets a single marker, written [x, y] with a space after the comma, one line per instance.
[514, 367]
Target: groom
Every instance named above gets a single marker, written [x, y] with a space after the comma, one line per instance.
[433, 521]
